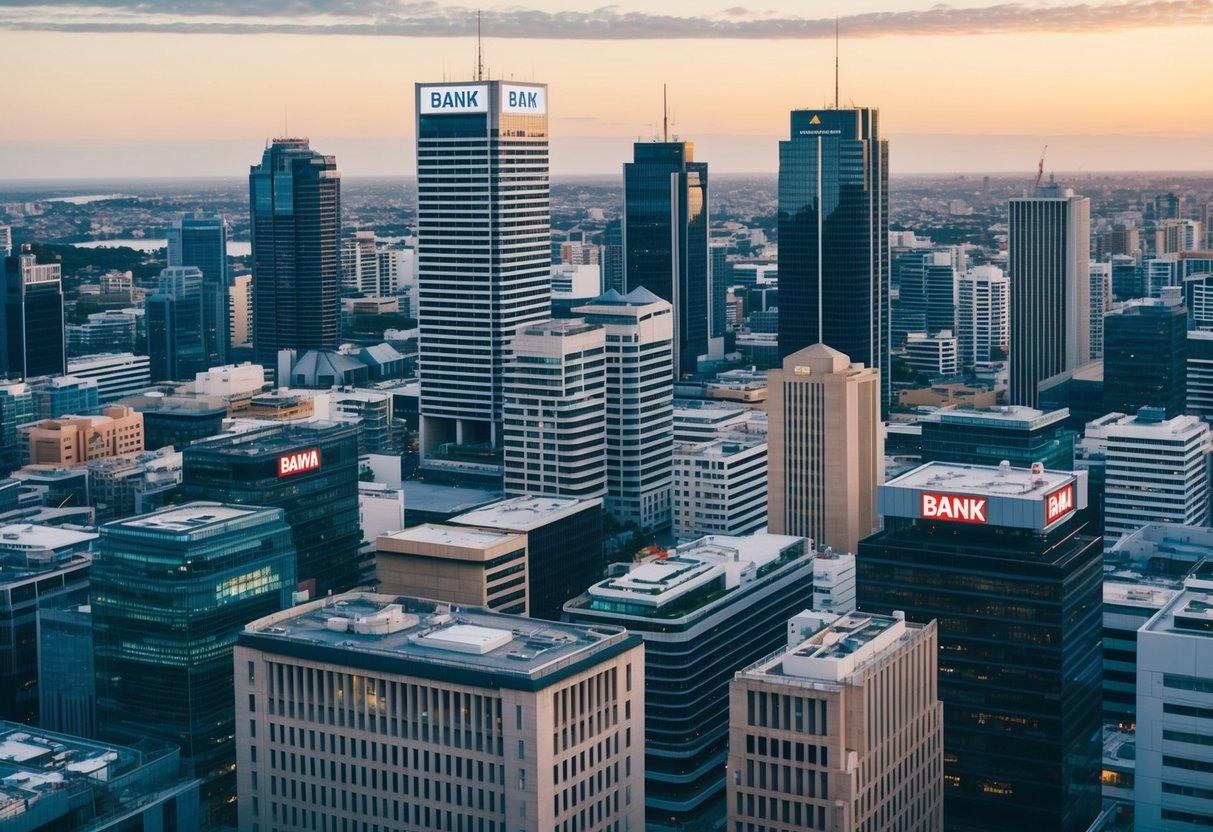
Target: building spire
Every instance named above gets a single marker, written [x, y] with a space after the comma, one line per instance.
[665, 115]
[479, 50]
[835, 62]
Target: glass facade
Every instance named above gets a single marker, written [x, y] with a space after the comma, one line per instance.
[170, 592]
[176, 341]
[833, 237]
[33, 327]
[1145, 361]
[202, 242]
[665, 239]
[991, 441]
[321, 503]
[1020, 618]
[295, 197]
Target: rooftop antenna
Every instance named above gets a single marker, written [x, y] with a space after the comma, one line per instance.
[479, 50]
[835, 62]
[1040, 168]
[665, 115]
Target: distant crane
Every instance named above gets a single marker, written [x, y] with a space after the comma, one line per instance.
[1040, 168]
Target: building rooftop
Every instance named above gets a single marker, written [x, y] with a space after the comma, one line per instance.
[1190, 612]
[436, 498]
[28, 551]
[706, 411]
[421, 637]
[982, 479]
[460, 536]
[718, 448]
[274, 438]
[188, 519]
[524, 513]
[837, 651]
[1013, 417]
[18, 537]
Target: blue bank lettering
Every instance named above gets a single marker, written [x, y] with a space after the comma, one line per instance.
[525, 100]
[455, 100]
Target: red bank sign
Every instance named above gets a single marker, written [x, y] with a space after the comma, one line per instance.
[1059, 503]
[298, 462]
[954, 507]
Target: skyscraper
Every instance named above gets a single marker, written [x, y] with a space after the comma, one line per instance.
[176, 339]
[554, 411]
[295, 196]
[983, 307]
[665, 240]
[1145, 359]
[1050, 289]
[640, 403]
[825, 448]
[483, 248]
[201, 242]
[834, 237]
[34, 342]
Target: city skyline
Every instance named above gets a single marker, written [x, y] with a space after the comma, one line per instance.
[1003, 80]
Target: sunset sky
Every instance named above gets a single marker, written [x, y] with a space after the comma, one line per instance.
[109, 88]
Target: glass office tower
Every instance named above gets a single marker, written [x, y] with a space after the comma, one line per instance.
[665, 240]
[176, 337]
[34, 342]
[170, 592]
[295, 196]
[201, 242]
[834, 237]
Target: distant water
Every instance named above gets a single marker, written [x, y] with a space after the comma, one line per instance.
[86, 199]
[235, 248]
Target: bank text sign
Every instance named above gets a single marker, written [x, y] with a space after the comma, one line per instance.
[957, 508]
[466, 98]
[298, 462]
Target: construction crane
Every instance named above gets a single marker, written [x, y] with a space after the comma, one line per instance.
[1040, 168]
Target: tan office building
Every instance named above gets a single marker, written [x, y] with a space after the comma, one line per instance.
[841, 732]
[369, 711]
[825, 452]
[462, 566]
[74, 440]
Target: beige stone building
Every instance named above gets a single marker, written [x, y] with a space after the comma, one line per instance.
[467, 567]
[840, 732]
[369, 711]
[75, 440]
[825, 452]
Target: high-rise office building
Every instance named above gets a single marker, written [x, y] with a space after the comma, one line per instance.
[1101, 302]
[176, 339]
[34, 341]
[40, 566]
[1018, 435]
[1156, 470]
[554, 410]
[665, 240]
[483, 248]
[17, 408]
[360, 264]
[1005, 560]
[611, 258]
[295, 197]
[478, 720]
[1174, 706]
[170, 592]
[67, 684]
[840, 731]
[926, 299]
[834, 237]
[1050, 289]
[1145, 361]
[720, 271]
[825, 448]
[240, 310]
[704, 611]
[639, 400]
[308, 469]
[6, 241]
[720, 487]
[201, 242]
[983, 315]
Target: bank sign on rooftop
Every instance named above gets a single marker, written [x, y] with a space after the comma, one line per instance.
[984, 496]
[454, 99]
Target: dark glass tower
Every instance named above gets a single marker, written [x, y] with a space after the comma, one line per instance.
[1145, 361]
[176, 337]
[311, 471]
[295, 207]
[1006, 561]
[665, 239]
[834, 237]
[201, 242]
[32, 324]
[170, 592]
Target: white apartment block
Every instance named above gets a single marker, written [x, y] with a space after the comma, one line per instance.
[983, 315]
[1157, 471]
[720, 487]
[554, 411]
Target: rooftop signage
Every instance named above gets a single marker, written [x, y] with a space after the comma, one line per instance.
[955, 507]
[1059, 503]
[298, 462]
[468, 98]
[523, 101]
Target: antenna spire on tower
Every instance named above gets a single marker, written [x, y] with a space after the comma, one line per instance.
[665, 115]
[479, 50]
[835, 62]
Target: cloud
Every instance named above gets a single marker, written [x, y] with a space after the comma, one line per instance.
[432, 19]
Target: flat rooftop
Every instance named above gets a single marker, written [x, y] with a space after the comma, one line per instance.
[524, 513]
[1189, 613]
[32, 759]
[273, 439]
[1014, 417]
[436, 498]
[460, 536]
[187, 518]
[28, 536]
[718, 448]
[838, 650]
[419, 637]
[982, 479]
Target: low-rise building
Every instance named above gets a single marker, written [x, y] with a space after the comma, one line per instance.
[720, 487]
[75, 440]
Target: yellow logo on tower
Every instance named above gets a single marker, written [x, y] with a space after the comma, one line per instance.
[814, 120]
